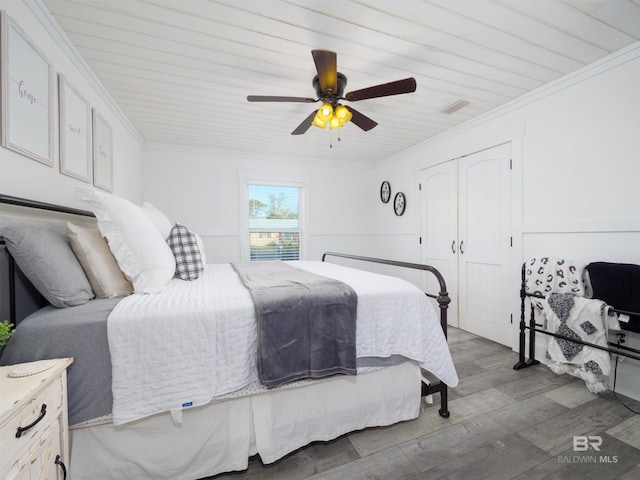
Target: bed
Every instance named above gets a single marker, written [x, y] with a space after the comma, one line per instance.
[175, 383]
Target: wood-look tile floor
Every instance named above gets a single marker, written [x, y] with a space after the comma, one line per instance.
[504, 424]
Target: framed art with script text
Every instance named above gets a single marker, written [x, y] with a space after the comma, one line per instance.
[27, 95]
[75, 133]
[102, 153]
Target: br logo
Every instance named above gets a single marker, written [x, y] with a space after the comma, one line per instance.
[582, 443]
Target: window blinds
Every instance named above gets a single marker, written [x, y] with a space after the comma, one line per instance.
[275, 222]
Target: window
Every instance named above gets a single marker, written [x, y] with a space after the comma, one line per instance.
[275, 221]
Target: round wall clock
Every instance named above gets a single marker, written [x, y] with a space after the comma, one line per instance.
[399, 203]
[385, 192]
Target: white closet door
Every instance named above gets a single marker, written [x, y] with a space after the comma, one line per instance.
[439, 227]
[484, 243]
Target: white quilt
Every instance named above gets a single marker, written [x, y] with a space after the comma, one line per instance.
[195, 341]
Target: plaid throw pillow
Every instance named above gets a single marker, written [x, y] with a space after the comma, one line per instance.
[184, 245]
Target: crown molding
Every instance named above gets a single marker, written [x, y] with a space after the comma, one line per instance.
[42, 14]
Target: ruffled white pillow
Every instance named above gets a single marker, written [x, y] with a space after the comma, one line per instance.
[141, 252]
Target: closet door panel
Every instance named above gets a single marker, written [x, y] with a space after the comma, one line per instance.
[439, 230]
[483, 232]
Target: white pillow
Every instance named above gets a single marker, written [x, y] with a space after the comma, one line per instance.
[159, 219]
[203, 255]
[164, 226]
[141, 252]
[105, 277]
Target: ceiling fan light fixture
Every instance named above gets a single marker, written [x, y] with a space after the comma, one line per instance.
[319, 121]
[335, 123]
[324, 116]
[343, 114]
[326, 112]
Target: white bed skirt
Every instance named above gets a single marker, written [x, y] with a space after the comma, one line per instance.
[220, 437]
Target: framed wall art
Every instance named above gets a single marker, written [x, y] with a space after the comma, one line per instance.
[75, 133]
[102, 153]
[27, 95]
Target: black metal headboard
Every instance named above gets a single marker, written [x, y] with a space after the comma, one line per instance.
[12, 274]
[24, 202]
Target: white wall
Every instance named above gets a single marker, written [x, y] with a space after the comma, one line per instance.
[576, 148]
[23, 177]
[397, 237]
[202, 188]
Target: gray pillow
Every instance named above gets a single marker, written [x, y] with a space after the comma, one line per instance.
[46, 259]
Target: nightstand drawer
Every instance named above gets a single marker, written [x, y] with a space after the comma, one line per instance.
[41, 459]
[31, 413]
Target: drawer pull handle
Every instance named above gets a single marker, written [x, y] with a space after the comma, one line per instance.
[43, 412]
[62, 466]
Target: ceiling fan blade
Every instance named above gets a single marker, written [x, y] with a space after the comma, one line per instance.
[407, 85]
[267, 98]
[362, 121]
[304, 126]
[327, 67]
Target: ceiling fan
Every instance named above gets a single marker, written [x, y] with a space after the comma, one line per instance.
[329, 85]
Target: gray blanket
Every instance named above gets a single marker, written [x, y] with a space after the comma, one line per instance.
[79, 332]
[306, 322]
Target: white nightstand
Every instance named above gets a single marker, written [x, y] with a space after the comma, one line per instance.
[34, 439]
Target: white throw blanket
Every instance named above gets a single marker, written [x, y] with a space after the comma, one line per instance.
[196, 341]
[582, 319]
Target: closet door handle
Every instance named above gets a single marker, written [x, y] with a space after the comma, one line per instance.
[453, 246]
[462, 247]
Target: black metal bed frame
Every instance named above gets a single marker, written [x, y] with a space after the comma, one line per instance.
[533, 327]
[442, 297]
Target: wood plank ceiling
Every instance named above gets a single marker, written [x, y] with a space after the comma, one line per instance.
[181, 69]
